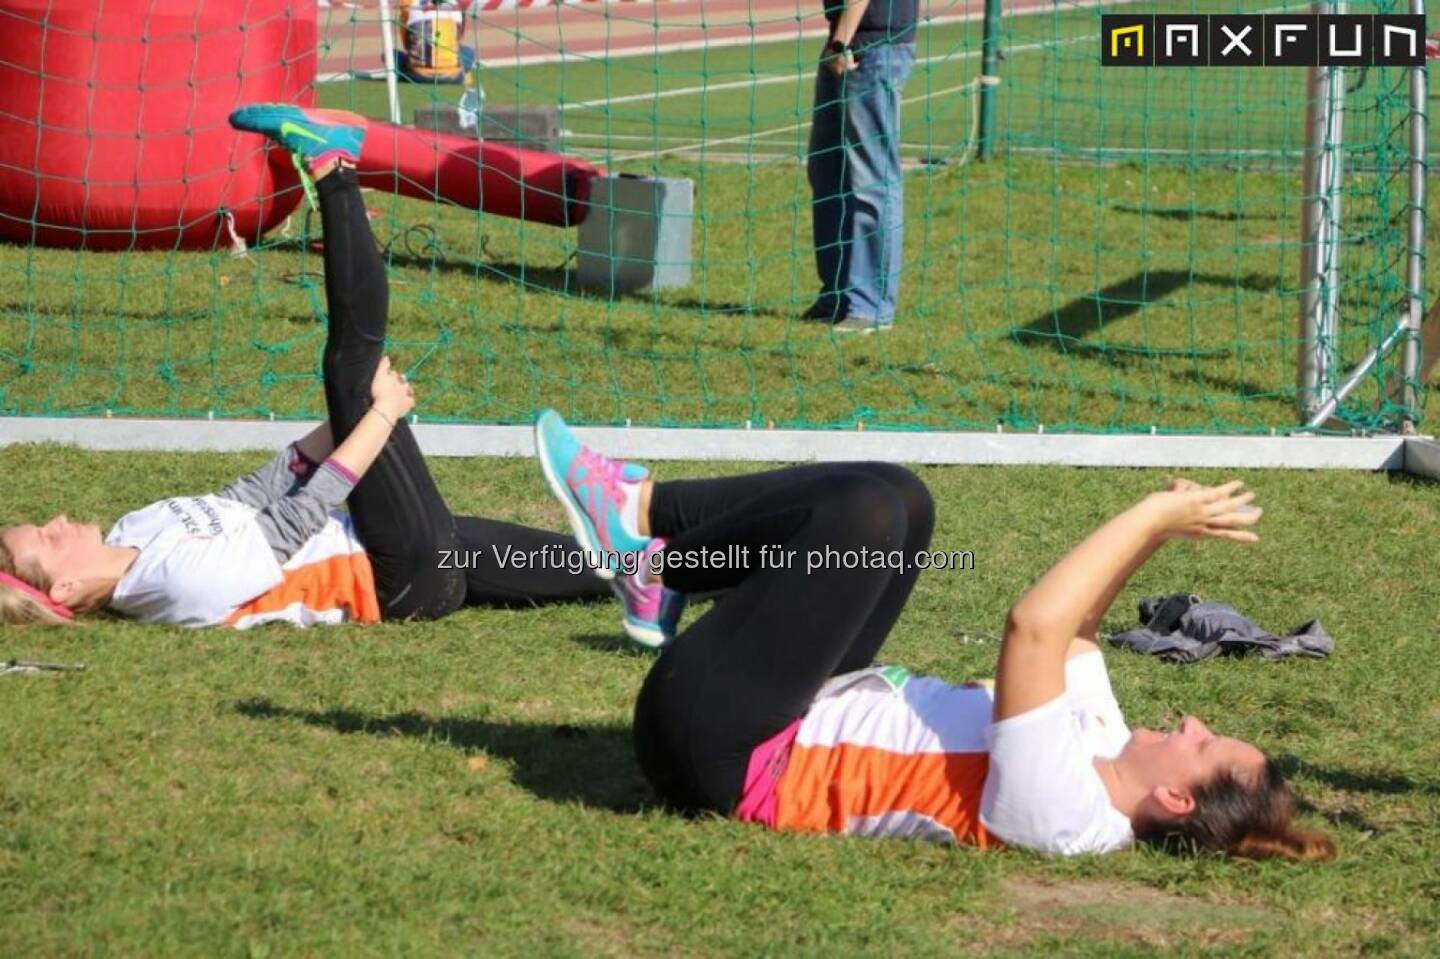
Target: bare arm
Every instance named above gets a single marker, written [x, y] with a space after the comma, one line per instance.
[844, 31]
[1090, 626]
[1089, 632]
[1068, 602]
[391, 399]
[849, 21]
[290, 519]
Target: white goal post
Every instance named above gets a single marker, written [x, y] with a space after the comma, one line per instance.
[1322, 384]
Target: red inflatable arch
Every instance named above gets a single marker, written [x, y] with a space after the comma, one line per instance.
[524, 184]
[113, 131]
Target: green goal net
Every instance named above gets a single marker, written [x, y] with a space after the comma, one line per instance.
[1085, 248]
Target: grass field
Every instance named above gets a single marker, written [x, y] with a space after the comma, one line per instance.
[1128, 262]
[468, 787]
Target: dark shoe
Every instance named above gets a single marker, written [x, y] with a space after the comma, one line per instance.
[827, 309]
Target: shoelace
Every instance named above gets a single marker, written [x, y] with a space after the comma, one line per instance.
[606, 473]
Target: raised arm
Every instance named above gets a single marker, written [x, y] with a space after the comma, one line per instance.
[288, 521]
[1069, 601]
[391, 399]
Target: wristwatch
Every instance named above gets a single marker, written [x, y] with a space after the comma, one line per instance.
[838, 47]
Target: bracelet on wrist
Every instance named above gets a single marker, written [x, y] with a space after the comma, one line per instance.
[380, 413]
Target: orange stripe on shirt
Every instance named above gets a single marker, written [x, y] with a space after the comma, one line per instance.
[344, 582]
[825, 788]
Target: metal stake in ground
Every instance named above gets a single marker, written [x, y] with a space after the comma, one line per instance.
[9, 666]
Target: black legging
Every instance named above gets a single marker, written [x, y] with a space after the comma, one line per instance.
[754, 662]
[400, 515]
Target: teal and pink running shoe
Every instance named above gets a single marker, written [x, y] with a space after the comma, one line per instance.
[314, 137]
[593, 490]
[652, 612]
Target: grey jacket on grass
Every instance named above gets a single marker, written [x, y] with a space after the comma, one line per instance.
[1182, 628]
[294, 496]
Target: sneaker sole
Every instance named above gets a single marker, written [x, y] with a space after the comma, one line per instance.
[643, 636]
[643, 633]
[579, 523]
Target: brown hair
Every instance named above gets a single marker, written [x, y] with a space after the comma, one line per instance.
[18, 608]
[1251, 820]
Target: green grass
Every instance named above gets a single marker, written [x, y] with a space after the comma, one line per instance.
[468, 786]
[1122, 265]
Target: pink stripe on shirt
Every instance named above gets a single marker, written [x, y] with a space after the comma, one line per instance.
[759, 799]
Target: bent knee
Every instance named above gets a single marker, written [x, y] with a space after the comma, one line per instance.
[864, 509]
[913, 493]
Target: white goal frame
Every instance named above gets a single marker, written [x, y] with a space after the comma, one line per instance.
[1420, 455]
[1322, 385]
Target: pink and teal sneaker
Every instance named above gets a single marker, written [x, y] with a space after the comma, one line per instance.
[651, 611]
[313, 136]
[594, 490]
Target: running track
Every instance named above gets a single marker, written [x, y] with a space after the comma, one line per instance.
[545, 34]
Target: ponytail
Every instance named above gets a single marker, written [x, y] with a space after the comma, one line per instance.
[1249, 820]
[1295, 844]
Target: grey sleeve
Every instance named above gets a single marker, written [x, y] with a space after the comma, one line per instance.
[290, 521]
[275, 479]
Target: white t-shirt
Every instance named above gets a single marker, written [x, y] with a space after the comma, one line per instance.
[884, 753]
[1042, 791]
[204, 561]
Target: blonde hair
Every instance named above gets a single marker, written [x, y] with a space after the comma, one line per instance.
[18, 608]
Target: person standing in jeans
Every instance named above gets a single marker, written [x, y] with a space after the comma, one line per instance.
[854, 162]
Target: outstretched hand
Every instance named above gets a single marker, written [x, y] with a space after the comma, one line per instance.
[390, 392]
[1187, 510]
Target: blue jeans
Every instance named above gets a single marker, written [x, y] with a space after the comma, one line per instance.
[858, 187]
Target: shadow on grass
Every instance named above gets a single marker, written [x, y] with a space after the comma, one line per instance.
[1387, 784]
[1185, 213]
[611, 642]
[1233, 387]
[1411, 480]
[563, 282]
[1347, 780]
[1066, 328]
[559, 762]
[727, 310]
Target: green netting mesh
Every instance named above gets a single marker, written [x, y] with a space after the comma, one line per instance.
[1125, 256]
